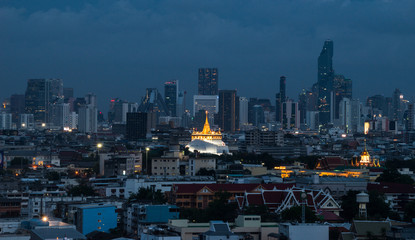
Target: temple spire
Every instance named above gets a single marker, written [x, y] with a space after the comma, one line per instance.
[206, 127]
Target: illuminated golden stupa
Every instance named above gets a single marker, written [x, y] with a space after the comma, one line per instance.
[208, 141]
[206, 133]
[366, 160]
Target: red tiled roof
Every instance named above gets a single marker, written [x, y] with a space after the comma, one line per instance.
[255, 199]
[329, 216]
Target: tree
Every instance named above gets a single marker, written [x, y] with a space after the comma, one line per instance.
[205, 172]
[377, 208]
[392, 175]
[19, 162]
[349, 205]
[295, 214]
[148, 195]
[409, 211]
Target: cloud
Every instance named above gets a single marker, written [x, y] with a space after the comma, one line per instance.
[117, 49]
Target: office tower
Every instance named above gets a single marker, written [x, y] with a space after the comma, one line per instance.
[325, 82]
[290, 115]
[312, 120]
[181, 103]
[5, 121]
[258, 115]
[199, 120]
[136, 126]
[40, 95]
[171, 94]
[410, 118]
[350, 115]
[280, 97]
[17, 106]
[26, 121]
[67, 93]
[269, 110]
[91, 99]
[77, 103]
[342, 88]
[208, 81]
[302, 105]
[208, 103]
[153, 104]
[243, 111]
[60, 114]
[397, 98]
[120, 110]
[228, 110]
[87, 119]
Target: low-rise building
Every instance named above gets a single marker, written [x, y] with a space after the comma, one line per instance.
[95, 217]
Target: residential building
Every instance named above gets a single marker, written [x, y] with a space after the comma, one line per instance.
[95, 217]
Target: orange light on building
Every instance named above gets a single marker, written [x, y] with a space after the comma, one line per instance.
[367, 126]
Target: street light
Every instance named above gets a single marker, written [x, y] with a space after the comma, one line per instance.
[99, 145]
[147, 149]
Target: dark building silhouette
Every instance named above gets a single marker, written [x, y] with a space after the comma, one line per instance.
[397, 105]
[325, 82]
[208, 81]
[136, 126]
[171, 92]
[67, 93]
[342, 88]
[227, 118]
[280, 98]
[17, 106]
[40, 95]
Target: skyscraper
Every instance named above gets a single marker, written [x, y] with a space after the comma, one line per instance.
[325, 82]
[136, 126]
[280, 98]
[228, 110]
[171, 92]
[40, 95]
[208, 81]
[87, 119]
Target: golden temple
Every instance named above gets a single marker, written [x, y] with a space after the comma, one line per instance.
[207, 134]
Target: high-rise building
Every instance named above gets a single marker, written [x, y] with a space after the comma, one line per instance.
[243, 111]
[342, 88]
[153, 104]
[87, 119]
[60, 115]
[280, 97]
[5, 120]
[208, 103]
[258, 115]
[325, 82]
[136, 126]
[91, 99]
[290, 115]
[181, 104]
[208, 81]
[17, 106]
[171, 95]
[397, 105]
[27, 121]
[67, 93]
[227, 118]
[40, 95]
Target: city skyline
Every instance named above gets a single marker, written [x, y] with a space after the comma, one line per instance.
[244, 49]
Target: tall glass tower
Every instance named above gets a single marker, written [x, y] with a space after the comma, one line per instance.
[325, 82]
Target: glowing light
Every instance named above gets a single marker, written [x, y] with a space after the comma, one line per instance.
[45, 219]
[367, 126]
[23, 125]
[401, 96]
[99, 145]
[43, 124]
[344, 135]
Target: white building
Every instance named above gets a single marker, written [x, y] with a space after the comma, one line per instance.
[243, 111]
[27, 121]
[5, 120]
[87, 119]
[290, 115]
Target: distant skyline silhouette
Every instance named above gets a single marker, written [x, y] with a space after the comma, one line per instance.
[120, 48]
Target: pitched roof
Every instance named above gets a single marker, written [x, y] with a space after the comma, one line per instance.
[194, 188]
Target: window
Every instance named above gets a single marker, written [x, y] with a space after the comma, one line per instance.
[99, 220]
[99, 214]
[99, 228]
[155, 160]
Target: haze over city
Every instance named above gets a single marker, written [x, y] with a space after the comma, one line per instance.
[119, 48]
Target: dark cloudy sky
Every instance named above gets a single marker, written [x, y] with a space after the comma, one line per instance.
[119, 48]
